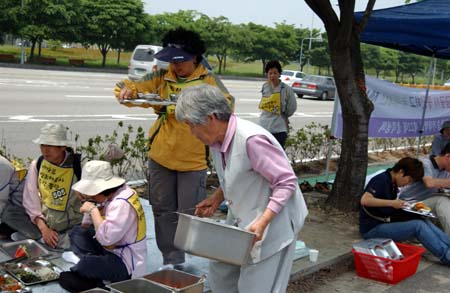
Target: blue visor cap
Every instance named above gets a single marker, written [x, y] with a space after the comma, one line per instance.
[173, 55]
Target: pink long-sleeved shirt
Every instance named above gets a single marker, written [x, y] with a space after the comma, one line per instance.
[267, 160]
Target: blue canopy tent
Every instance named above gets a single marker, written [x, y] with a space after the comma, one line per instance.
[421, 28]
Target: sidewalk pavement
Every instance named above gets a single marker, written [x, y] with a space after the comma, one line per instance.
[334, 242]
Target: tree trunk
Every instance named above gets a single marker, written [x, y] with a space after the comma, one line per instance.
[220, 59]
[348, 71]
[33, 46]
[118, 55]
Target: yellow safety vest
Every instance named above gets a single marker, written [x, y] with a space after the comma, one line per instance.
[20, 170]
[176, 88]
[141, 233]
[141, 224]
[271, 104]
[55, 183]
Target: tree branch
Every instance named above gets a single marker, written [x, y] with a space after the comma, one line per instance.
[369, 8]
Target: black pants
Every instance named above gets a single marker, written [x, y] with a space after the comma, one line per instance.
[281, 137]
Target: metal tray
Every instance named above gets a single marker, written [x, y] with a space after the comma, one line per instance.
[138, 285]
[12, 284]
[207, 238]
[177, 281]
[409, 208]
[31, 272]
[147, 102]
[34, 249]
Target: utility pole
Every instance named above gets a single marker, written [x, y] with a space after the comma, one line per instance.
[301, 49]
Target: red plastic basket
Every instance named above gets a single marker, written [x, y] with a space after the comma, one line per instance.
[388, 270]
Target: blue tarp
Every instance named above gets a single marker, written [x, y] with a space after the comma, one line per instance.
[421, 28]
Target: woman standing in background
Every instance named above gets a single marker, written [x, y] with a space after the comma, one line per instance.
[278, 103]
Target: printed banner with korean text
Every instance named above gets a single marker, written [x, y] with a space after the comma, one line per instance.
[398, 110]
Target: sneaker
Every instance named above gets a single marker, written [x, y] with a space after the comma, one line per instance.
[305, 186]
[17, 236]
[322, 187]
[168, 266]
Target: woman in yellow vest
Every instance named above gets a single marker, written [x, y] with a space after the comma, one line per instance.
[178, 160]
[110, 242]
[277, 104]
[48, 197]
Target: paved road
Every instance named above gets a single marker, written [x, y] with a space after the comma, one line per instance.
[84, 102]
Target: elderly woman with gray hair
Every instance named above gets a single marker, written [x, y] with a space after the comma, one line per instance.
[259, 185]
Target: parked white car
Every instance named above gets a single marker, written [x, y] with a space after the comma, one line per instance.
[290, 76]
[143, 61]
[447, 83]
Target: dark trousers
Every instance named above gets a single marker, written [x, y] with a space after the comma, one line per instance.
[95, 261]
[281, 137]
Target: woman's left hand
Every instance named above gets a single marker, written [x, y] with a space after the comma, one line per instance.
[87, 207]
[260, 225]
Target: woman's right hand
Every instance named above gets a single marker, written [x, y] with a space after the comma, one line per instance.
[124, 94]
[50, 237]
[208, 206]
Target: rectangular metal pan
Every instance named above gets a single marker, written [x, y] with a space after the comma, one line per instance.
[208, 238]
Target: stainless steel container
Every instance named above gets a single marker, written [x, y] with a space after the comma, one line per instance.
[139, 285]
[382, 247]
[207, 238]
[177, 281]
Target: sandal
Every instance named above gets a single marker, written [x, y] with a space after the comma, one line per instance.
[305, 186]
[322, 187]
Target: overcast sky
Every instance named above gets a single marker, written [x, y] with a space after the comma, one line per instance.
[263, 12]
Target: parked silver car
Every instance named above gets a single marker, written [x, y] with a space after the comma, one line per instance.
[291, 76]
[322, 87]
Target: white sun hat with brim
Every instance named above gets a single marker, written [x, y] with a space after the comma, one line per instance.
[97, 176]
[53, 134]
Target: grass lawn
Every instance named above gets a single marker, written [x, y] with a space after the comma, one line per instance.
[93, 58]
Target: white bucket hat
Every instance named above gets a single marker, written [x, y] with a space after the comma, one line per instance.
[96, 177]
[53, 134]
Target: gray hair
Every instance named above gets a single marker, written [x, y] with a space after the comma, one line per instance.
[196, 103]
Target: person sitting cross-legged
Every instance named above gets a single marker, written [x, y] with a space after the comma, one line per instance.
[111, 241]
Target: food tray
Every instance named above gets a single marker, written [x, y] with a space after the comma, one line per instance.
[420, 212]
[33, 272]
[177, 281]
[34, 249]
[9, 284]
[207, 238]
[148, 102]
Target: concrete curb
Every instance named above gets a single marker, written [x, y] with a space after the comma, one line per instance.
[310, 271]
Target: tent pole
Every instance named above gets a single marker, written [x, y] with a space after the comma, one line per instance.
[422, 121]
[332, 137]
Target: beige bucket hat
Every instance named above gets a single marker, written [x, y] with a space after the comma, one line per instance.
[97, 176]
[53, 134]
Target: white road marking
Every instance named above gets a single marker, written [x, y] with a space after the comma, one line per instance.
[89, 96]
[125, 117]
